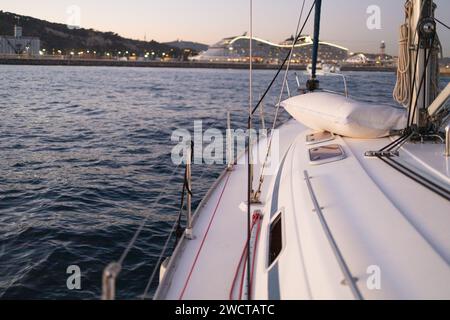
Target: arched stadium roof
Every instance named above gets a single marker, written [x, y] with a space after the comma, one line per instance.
[287, 46]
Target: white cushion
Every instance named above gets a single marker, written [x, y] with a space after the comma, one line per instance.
[344, 116]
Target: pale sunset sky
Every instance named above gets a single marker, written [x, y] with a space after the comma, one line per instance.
[208, 21]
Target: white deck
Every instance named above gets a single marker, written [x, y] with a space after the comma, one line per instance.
[376, 215]
[217, 259]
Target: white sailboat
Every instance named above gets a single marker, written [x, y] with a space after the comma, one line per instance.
[357, 207]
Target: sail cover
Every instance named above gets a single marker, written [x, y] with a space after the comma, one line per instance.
[345, 116]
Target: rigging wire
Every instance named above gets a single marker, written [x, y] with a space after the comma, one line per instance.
[174, 229]
[163, 252]
[160, 258]
[250, 118]
[409, 132]
[291, 52]
[283, 63]
[422, 7]
[144, 222]
[442, 23]
[424, 73]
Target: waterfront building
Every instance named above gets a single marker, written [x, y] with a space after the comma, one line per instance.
[236, 49]
[18, 44]
[370, 59]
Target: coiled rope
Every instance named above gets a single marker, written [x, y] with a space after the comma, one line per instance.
[401, 92]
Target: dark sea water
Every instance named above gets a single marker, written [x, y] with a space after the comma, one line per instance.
[84, 154]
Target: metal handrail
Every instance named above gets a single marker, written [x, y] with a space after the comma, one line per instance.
[447, 141]
[340, 259]
[344, 79]
[110, 275]
[188, 231]
[230, 147]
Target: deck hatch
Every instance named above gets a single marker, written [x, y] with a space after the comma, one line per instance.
[275, 239]
[319, 137]
[326, 154]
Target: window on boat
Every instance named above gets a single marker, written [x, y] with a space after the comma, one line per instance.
[275, 239]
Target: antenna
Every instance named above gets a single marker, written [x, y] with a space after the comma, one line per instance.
[249, 156]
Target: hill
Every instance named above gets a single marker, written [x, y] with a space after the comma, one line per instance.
[57, 36]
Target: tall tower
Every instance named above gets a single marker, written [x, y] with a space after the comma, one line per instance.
[383, 48]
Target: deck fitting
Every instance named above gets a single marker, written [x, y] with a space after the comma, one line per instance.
[376, 154]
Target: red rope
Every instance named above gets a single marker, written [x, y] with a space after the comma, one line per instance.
[256, 219]
[203, 240]
[237, 271]
[254, 251]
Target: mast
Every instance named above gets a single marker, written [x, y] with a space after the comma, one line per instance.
[313, 83]
[424, 50]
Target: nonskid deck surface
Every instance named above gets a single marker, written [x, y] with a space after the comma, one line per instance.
[377, 216]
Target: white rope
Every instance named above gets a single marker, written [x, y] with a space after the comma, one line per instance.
[401, 92]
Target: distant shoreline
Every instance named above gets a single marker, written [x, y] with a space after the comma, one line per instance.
[179, 64]
[171, 64]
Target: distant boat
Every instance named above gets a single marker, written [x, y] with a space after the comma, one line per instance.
[323, 69]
